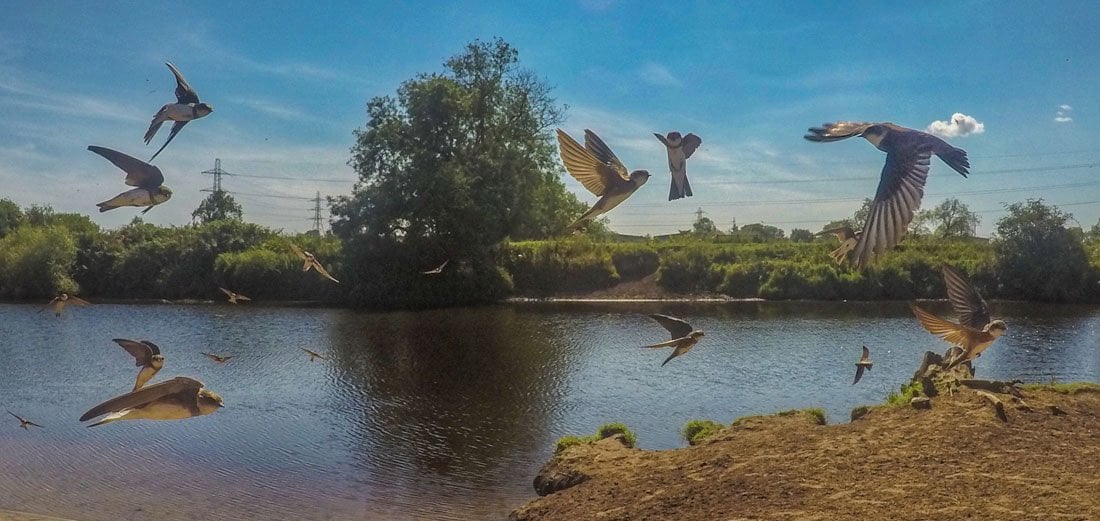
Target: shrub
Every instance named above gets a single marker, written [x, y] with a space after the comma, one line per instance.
[695, 431]
[610, 429]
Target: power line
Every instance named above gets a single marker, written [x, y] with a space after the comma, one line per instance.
[217, 172]
[319, 180]
[317, 213]
[1002, 171]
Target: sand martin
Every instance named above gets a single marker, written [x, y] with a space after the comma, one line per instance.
[437, 270]
[309, 261]
[147, 178]
[175, 399]
[601, 173]
[901, 184]
[848, 239]
[679, 150]
[863, 363]
[24, 423]
[146, 356]
[61, 300]
[684, 337]
[233, 296]
[313, 355]
[975, 331]
[186, 108]
[218, 358]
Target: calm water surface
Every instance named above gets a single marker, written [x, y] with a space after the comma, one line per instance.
[439, 414]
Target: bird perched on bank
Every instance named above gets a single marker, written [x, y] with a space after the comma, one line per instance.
[901, 184]
[233, 296]
[863, 363]
[24, 423]
[679, 150]
[61, 300]
[848, 239]
[309, 261]
[146, 356]
[313, 355]
[175, 399]
[597, 168]
[149, 182]
[975, 331]
[218, 358]
[437, 270]
[684, 337]
[186, 108]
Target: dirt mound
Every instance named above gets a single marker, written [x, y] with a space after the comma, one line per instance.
[956, 460]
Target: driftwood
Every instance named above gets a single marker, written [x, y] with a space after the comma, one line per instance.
[993, 386]
[998, 405]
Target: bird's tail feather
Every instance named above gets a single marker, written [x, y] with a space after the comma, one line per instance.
[956, 159]
[103, 207]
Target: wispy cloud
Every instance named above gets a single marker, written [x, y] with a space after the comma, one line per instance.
[960, 125]
[1063, 114]
[205, 42]
[277, 109]
[657, 74]
[17, 93]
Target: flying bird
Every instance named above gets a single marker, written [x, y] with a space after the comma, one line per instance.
[61, 300]
[901, 184]
[149, 182]
[863, 363]
[684, 337]
[146, 356]
[309, 261]
[186, 108]
[975, 331]
[217, 358]
[24, 423]
[233, 296]
[437, 270]
[313, 355]
[848, 239]
[175, 399]
[601, 173]
[679, 150]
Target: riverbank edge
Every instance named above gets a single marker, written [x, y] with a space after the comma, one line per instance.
[15, 515]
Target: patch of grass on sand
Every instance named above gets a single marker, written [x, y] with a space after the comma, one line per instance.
[860, 412]
[816, 413]
[904, 394]
[1070, 388]
[608, 430]
[695, 431]
[565, 442]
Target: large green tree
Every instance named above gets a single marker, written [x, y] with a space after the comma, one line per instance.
[951, 219]
[10, 216]
[1037, 256]
[218, 206]
[454, 164]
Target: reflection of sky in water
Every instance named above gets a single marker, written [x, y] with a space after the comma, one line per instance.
[438, 414]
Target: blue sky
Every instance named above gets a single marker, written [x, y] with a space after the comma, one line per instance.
[289, 83]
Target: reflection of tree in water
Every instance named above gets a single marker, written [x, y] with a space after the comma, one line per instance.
[458, 392]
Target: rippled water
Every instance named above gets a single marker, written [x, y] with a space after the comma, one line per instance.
[439, 414]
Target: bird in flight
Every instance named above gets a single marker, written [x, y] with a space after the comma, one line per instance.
[148, 180]
[848, 239]
[175, 399]
[309, 261]
[863, 363]
[679, 150]
[61, 300]
[684, 337]
[146, 356]
[218, 358]
[233, 296]
[597, 168]
[313, 355]
[186, 108]
[901, 184]
[975, 331]
[24, 423]
[437, 270]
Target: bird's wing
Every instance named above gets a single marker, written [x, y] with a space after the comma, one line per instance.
[48, 304]
[859, 374]
[210, 356]
[603, 153]
[179, 384]
[968, 303]
[313, 353]
[680, 349]
[138, 172]
[900, 189]
[596, 176]
[153, 348]
[689, 144]
[950, 332]
[35, 424]
[321, 269]
[141, 351]
[297, 251]
[78, 301]
[866, 354]
[184, 92]
[16, 416]
[227, 292]
[662, 139]
[176, 127]
[666, 343]
[836, 131]
[842, 233]
[677, 327]
[242, 297]
[954, 157]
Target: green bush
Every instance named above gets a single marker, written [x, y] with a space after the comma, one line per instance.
[634, 261]
[608, 430]
[35, 262]
[695, 431]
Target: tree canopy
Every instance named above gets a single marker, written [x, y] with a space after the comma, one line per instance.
[217, 206]
[1038, 258]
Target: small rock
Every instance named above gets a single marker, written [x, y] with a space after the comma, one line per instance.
[921, 402]
[1056, 411]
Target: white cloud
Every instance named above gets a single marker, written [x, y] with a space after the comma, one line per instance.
[657, 74]
[1062, 116]
[960, 125]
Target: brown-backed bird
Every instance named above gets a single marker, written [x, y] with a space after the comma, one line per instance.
[186, 108]
[863, 363]
[25, 423]
[175, 399]
[599, 171]
[146, 356]
[233, 296]
[684, 337]
[61, 300]
[148, 180]
[975, 331]
[679, 150]
[313, 355]
[309, 261]
[218, 358]
[437, 270]
[848, 239]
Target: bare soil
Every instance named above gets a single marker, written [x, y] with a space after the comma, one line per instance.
[955, 461]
